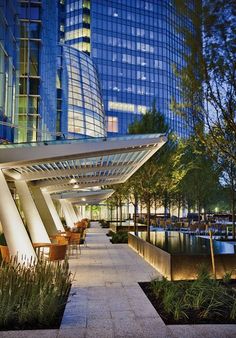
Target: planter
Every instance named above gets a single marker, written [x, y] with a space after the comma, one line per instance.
[181, 266]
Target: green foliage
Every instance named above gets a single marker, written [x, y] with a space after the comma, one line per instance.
[104, 224]
[227, 277]
[110, 233]
[119, 237]
[32, 296]
[152, 122]
[203, 298]
[2, 239]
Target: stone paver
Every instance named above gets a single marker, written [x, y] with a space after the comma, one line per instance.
[108, 301]
[107, 291]
[29, 334]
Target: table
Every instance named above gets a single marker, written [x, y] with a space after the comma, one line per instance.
[38, 246]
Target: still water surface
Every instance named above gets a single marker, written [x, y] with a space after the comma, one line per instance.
[176, 242]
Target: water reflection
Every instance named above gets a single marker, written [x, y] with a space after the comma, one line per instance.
[176, 242]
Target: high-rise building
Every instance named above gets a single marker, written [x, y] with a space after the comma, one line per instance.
[9, 30]
[38, 52]
[134, 45]
[56, 92]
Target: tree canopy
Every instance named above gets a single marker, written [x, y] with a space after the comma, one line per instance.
[208, 79]
[151, 122]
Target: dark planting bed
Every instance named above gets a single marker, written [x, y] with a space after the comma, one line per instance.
[190, 315]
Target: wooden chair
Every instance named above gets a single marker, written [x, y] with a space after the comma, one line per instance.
[193, 228]
[62, 240]
[202, 228]
[5, 253]
[50, 251]
[74, 242]
[57, 252]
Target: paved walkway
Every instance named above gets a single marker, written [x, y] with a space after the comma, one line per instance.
[107, 301]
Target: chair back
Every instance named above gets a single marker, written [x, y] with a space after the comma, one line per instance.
[61, 240]
[57, 252]
[75, 238]
[5, 253]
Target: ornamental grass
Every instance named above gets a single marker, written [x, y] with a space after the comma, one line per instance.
[34, 295]
[202, 300]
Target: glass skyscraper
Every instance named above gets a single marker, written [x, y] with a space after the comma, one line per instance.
[47, 90]
[9, 52]
[135, 45]
[38, 52]
[131, 47]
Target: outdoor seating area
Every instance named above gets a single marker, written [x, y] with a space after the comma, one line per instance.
[63, 244]
[5, 253]
[194, 227]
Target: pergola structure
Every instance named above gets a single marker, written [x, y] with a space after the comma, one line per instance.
[39, 171]
[79, 199]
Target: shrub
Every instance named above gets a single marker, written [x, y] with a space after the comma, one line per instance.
[202, 299]
[119, 237]
[110, 233]
[104, 224]
[33, 296]
[2, 239]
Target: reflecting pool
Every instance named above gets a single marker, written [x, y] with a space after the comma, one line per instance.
[175, 242]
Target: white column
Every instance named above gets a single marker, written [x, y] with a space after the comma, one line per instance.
[47, 211]
[53, 211]
[35, 225]
[72, 212]
[14, 230]
[76, 211]
[82, 211]
[67, 214]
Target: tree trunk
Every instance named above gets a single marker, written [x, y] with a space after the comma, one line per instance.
[111, 213]
[199, 211]
[155, 207]
[179, 206]
[117, 215]
[165, 207]
[128, 210]
[233, 214]
[135, 215]
[148, 219]
[120, 206]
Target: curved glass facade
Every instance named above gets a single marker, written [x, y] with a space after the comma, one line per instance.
[80, 111]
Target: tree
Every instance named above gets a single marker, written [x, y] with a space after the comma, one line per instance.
[151, 122]
[228, 179]
[208, 80]
[145, 178]
[208, 83]
[134, 196]
[120, 194]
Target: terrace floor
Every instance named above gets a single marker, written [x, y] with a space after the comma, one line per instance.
[108, 302]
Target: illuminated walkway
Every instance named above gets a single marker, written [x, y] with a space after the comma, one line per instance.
[109, 302]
